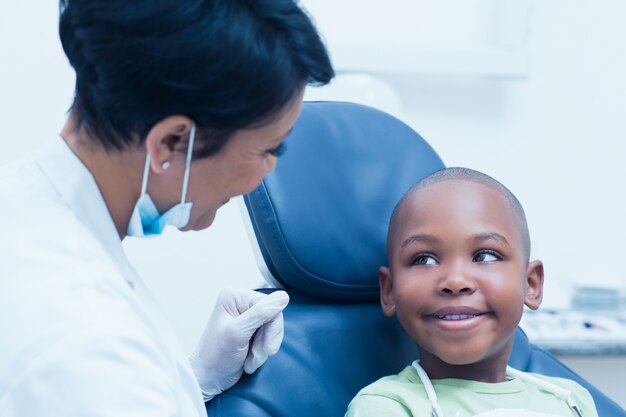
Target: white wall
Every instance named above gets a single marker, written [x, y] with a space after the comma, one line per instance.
[554, 138]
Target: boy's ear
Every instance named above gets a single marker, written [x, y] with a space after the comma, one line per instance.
[534, 285]
[386, 294]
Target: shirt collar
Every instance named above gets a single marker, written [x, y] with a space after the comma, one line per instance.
[77, 187]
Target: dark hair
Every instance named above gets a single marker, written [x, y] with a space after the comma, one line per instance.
[227, 64]
[467, 174]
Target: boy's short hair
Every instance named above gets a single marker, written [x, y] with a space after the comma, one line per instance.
[465, 174]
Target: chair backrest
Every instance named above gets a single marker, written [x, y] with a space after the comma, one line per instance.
[320, 220]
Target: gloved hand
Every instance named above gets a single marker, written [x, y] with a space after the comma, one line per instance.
[226, 349]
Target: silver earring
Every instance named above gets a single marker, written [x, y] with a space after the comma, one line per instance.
[165, 165]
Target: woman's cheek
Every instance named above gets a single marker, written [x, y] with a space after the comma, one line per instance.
[254, 182]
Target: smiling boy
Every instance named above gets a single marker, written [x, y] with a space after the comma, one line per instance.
[459, 276]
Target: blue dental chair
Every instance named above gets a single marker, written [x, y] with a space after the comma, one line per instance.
[321, 221]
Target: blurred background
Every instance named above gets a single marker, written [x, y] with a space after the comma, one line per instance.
[532, 92]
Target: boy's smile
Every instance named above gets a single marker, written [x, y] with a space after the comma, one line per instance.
[459, 277]
[457, 318]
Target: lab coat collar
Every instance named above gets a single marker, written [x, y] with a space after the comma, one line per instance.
[78, 188]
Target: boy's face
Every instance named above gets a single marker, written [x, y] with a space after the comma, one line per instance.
[459, 277]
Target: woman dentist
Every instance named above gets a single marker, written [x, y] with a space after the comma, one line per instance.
[179, 105]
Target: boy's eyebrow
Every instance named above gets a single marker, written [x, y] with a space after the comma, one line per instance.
[417, 238]
[481, 237]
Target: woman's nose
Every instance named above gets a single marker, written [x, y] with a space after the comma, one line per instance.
[270, 163]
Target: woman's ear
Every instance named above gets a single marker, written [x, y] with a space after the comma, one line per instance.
[534, 285]
[386, 294]
[165, 139]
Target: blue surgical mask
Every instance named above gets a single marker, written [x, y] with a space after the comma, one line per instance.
[146, 219]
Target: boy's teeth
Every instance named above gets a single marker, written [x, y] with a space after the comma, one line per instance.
[457, 317]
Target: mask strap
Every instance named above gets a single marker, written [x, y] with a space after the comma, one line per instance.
[192, 138]
[146, 173]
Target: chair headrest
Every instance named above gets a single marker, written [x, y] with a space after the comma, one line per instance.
[321, 217]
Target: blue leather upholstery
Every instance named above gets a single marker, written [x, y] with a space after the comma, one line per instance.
[320, 219]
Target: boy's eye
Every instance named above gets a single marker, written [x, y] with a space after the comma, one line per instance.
[277, 151]
[424, 260]
[487, 256]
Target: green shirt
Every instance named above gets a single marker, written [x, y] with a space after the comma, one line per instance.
[404, 395]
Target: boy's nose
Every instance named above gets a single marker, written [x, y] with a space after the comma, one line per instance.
[457, 281]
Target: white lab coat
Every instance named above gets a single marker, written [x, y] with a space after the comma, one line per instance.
[80, 333]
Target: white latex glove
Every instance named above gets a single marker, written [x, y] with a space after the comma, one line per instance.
[227, 347]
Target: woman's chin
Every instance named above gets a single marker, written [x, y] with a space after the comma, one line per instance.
[201, 223]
